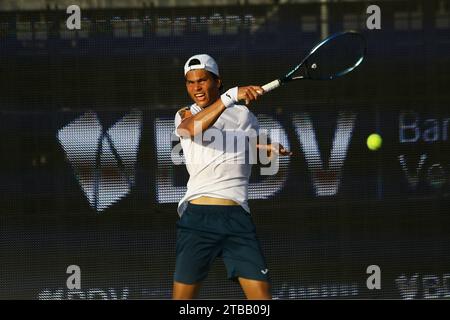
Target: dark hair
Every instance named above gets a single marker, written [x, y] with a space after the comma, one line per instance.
[194, 62]
[216, 77]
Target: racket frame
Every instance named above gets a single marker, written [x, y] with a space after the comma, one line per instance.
[288, 77]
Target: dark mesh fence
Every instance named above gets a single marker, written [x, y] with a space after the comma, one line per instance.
[87, 177]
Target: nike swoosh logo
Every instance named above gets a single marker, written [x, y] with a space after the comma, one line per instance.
[228, 95]
[264, 271]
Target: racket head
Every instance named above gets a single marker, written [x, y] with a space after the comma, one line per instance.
[331, 58]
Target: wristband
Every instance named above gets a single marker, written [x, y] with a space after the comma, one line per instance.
[230, 97]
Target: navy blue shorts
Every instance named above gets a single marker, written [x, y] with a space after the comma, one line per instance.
[206, 232]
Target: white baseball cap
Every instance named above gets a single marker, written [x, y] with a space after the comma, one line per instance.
[201, 61]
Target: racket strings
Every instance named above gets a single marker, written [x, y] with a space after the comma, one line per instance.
[335, 57]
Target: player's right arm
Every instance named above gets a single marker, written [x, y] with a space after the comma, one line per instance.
[202, 120]
[192, 125]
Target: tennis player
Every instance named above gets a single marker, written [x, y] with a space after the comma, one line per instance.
[215, 218]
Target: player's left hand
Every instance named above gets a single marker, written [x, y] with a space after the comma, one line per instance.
[275, 149]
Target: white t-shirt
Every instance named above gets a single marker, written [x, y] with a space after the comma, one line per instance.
[219, 161]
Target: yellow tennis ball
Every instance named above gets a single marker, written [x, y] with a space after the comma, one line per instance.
[374, 141]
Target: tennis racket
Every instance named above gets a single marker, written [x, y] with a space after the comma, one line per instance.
[333, 57]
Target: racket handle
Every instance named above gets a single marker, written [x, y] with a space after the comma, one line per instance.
[271, 85]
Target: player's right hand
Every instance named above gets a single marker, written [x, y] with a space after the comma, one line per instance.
[249, 93]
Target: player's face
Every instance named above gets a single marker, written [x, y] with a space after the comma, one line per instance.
[202, 87]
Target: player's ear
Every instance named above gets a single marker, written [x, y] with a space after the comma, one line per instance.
[218, 82]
